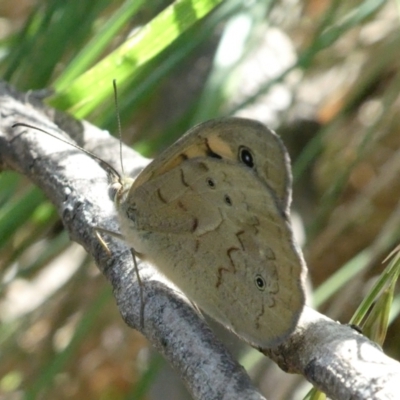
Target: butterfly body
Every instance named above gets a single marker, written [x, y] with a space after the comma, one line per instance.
[211, 213]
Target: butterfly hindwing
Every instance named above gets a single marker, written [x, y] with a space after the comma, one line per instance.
[216, 230]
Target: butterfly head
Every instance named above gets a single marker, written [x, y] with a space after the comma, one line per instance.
[119, 189]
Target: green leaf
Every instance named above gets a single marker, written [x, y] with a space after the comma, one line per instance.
[84, 94]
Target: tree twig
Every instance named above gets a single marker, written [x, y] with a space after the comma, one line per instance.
[337, 359]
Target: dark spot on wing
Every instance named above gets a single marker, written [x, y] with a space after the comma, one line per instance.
[260, 282]
[210, 183]
[238, 234]
[246, 156]
[228, 252]
[160, 196]
[203, 166]
[219, 280]
[183, 179]
[228, 200]
[182, 206]
[223, 269]
[195, 224]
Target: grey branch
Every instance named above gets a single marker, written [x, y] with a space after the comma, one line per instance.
[341, 362]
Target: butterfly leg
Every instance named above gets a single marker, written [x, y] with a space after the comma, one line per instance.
[133, 252]
[107, 232]
[141, 321]
[102, 242]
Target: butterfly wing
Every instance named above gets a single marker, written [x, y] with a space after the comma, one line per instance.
[219, 233]
[223, 139]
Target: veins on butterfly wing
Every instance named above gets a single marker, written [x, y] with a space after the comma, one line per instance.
[182, 175]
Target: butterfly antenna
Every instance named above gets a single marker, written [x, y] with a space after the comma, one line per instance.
[119, 124]
[115, 175]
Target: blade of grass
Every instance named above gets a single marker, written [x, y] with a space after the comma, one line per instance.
[93, 87]
[46, 376]
[341, 277]
[370, 136]
[39, 223]
[387, 278]
[141, 388]
[18, 54]
[56, 26]
[388, 236]
[9, 183]
[156, 70]
[315, 394]
[327, 33]
[395, 310]
[18, 212]
[97, 43]
[376, 325]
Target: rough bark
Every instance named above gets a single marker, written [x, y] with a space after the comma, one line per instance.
[337, 359]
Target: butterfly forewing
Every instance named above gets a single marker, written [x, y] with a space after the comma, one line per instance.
[225, 139]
